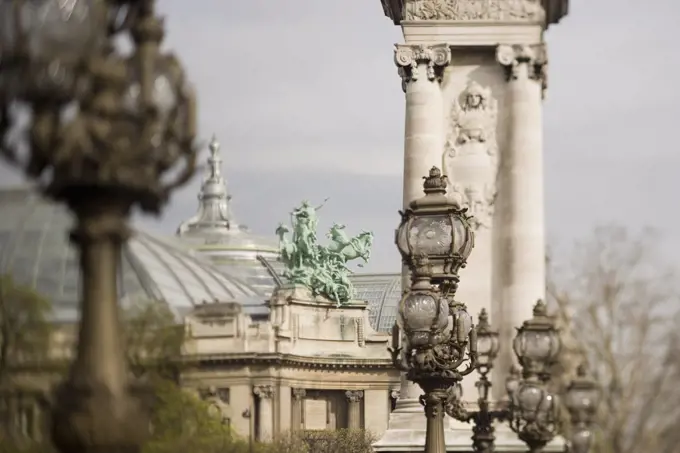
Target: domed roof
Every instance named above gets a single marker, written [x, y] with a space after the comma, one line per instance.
[383, 293]
[35, 250]
[214, 233]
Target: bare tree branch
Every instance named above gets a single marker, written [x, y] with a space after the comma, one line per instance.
[618, 298]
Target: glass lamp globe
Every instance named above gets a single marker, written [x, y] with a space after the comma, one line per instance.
[435, 226]
[512, 382]
[534, 401]
[581, 441]
[537, 342]
[165, 97]
[43, 40]
[487, 341]
[583, 394]
[547, 411]
[420, 315]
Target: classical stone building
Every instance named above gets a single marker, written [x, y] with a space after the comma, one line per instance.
[269, 356]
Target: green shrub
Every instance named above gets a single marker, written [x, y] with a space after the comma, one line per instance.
[328, 441]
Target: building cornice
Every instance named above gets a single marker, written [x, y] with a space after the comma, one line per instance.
[207, 360]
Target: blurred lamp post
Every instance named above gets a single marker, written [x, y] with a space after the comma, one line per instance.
[106, 130]
[582, 399]
[533, 409]
[483, 430]
[435, 239]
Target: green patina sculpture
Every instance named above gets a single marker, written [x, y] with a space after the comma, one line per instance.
[322, 269]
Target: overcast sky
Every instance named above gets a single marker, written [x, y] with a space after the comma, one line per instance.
[306, 101]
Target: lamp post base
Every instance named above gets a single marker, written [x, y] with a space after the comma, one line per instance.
[434, 400]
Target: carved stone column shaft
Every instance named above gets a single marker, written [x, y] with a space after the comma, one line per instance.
[421, 68]
[265, 395]
[520, 253]
[354, 408]
[296, 416]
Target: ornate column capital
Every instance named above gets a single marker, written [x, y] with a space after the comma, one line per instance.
[408, 58]
[511, 57]
[354, 396]
[264, 391]
[299, 393]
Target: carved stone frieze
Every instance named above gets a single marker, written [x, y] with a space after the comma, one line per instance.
[410, 60]
[535, 57]
[354, 396]
[479, 200]
[466, 10]
[264, 391]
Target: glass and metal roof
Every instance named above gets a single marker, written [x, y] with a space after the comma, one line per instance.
[383, 293]
[35, 250]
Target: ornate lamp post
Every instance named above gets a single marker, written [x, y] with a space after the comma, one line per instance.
[440, 345]
[483, 431]
[533, 409]
[106, 128]
[582, 399]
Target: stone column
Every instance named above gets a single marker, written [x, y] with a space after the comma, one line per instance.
[296, 416]
[519, 262]
[354, 408]
[265, 395]
[421, 69]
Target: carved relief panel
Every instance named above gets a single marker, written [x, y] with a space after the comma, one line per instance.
[471, 151]
[472, 130]
[479, 200]
[218, 400]
[463, 10]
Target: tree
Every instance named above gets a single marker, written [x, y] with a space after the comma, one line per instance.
[181, 421]
[24, 325]
[184, 423]
[25, 333]
[620, 299]
[153, 337]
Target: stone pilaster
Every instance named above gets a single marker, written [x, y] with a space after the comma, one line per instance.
[296, 408]
[519, 261]
[354, 398]
[265, 396]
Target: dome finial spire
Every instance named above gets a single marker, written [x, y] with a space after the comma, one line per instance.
[215, 164]
[214, 146]
[214, 212]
